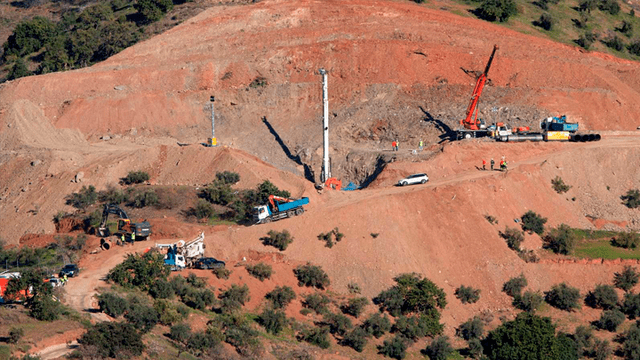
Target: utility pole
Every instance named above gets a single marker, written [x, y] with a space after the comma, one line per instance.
[212, 141]
[326, 170]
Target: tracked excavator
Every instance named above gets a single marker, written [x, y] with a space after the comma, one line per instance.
[142, 230]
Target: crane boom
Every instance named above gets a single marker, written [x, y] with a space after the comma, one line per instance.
[471, 122]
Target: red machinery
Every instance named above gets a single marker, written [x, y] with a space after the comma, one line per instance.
[279, 199]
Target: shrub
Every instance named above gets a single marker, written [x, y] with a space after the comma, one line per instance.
[493, 10]
[439, 349]
[546, 21]
[626, 28]
[153, 10]
[631, 305]
[111, 339]
[338, 324]
[533, 223]
[239, 333]
[15, 334]
[234, 298]
[586, 40]
[219, 193]
[112, 195]
[610, 320]
[411, 294]
[601, 350]
[471, 329]
[228, 177]
[355, 306]
[318, 336]
[583, 338]
[161, 289]
[83, 198]
[631, 344]
[632, 198]
[18, 70]
[328, 237]
[587, 5]
[135, 177]
[139, 271]
[615, 43]
[626, 279]
[356, 339]
[529, 256]
[222, 273]
[491, 219]
[513, 237]
[514, 285]
[530, 301]
[610, 6]
[563, 297]
[280, 297]
[202, 210]
[112, 304]
[198, 299]
[560, 240]
[467, 294]
[279, 240]
[394, 348]
[142, 316]
[180, 333]
[418, 326]
[167, 312]
[627, 240]
[316, 302]
[259, 81]
[354, 288]
[144, 198]
[558, 184]
[603, 297]
[202, 342]
[311, 276]
[377, 325]
[260, 271]
[273, 320]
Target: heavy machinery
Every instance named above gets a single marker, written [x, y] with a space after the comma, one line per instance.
[142, 230]
[279, 208]
[553, 129]
[472, 126]
[183, 254]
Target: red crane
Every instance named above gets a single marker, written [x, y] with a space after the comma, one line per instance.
[471, 122]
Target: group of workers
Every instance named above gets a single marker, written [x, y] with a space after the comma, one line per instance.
[395, 144]
[503, 164]
[132, 238]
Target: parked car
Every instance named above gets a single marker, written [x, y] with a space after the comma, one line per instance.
[54, 282]
[414, 179]
[209, 263]
[70, 270]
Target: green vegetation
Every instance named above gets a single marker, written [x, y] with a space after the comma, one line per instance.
[338, 324]
[497, 10]
[260, 271]
[560, 240]
[135, 177]
[626, 279]
[41, 304]
[140, 271]
[328, 237]
[316, 302]
[417, 326]
[412, 294]
[279, 240]
[610, 320]
[15, 334]
[631, 305]
[557, 183]
[274, 321]
[356, 339]
[112, 304]
[533, 223]
[471, 329]
[318, 336]
[377, 325]
[529, 301]
[311, 276]
[626, 240]
[563, 297]
[222, 273]
[603, 297]
[280, 297]
[513, 237]
[394, 348]
[228, 177]
[514, 286]
[112, 339]
[234, 298]
[439, 349]
[467, 294]
[83, 198]
[143, 198]
[355, 306]
[632, 198]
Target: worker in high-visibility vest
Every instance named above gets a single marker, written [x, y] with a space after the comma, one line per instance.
[133, 236]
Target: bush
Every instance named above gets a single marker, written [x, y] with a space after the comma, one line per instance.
[418, 326]
[467, 294]
[338, 324]
[627, 240]
[316, 302]
[168, 313]
[222, 273]
[610, 6]
[113, 339]
[202, 342]
[135, 177]
[471, 329]
[354, 288]
[411, 294]
[316, 336]
[514, 285]
[610, 320]
[29, 36]
[355, 306]
[273, 320]
[139, 271]
[198, 299]
[260, 271]
[603, 297]
[279, 240]
[280, 297]
[142, 316]
[583, 338]
[587, 5]
[328, 237]
[377, 325]
[112, 195]
[601, 350]
[563, 297]
[153, 10]
[513, 237]
[394, 348]
[112, 304]
[558, 184]
[586, 40]
[228, 177]
[631, 305]
[219, 193]
[144, 198]
[546, 21]
[560, 240]
[533, 223]
[439, 349]
[83, 198]
[356, 339]
[631, 344]
[632, 198]
[180, 333]
[493, 10]
[161, 289]
[234, 298]
[626, 279]
[530, 301]
[195, 281]
[15, 334]
[311, 276]
[239, 333]
[615, 43]
[626, 28]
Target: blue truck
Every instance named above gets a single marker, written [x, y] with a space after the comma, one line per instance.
[279, 208]
[558, 123]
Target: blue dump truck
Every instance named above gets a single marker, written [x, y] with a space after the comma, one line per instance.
[278, 208]
[558, 123]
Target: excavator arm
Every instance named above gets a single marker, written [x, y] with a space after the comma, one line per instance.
[471, 121]
[274, 198]
[115, 210]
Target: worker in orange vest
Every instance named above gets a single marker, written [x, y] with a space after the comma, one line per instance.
[484, 164]
[394, 145]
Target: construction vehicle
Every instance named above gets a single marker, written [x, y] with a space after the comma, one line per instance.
[553, 129]
[142, 230]
[279, 208]
[472, 126]
[558, 123]
[333, 183]
[181, 254]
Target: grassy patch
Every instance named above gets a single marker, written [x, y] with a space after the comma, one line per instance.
[603, 249]
[593, 234]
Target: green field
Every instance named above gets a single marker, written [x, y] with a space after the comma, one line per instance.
[595, 244]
